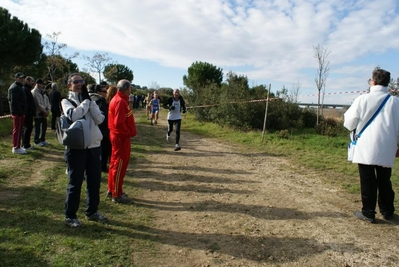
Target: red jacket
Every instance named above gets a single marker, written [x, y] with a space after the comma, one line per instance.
[120, 116]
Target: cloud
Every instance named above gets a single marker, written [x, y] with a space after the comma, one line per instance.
[274, 39]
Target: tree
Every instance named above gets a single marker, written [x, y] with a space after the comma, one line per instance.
[116, 72]
[19, 46]
[293, 93]
[97, 63]
[321, 55]
[201, 75]
[56, 63]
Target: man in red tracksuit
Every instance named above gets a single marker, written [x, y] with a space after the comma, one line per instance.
[122, 127]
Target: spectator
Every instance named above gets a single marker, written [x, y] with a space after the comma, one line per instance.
[55, 101]
[31, 111]
[42, 111]
[122, 127]
[18, 108]
[81, 161]
[99, 96]
[376, 148]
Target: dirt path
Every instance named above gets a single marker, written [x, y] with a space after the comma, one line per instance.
[218, 205]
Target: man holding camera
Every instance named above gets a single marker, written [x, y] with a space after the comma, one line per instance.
[175, 104]
[42, 111]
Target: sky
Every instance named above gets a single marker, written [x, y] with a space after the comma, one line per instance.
[268, 41]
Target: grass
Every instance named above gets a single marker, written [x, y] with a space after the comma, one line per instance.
[32, 232]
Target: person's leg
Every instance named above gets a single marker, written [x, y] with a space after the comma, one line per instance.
[76, 162]
[18, 124]
[120, 160]
[27, 131]
[36, 135]
[93, 180]
[53, 120]
[152, 116]
[178, 124]
[386, 195]
[368, 188]
[170, 126]
[105, 152]
[43, 129]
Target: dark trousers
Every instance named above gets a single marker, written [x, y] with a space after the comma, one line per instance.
[106, 153]
[54, 116]
[170, 129]
[27, 131]
[40, 130]
[372, 179]
[80, 161]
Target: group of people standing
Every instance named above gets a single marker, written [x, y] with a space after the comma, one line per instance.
[29, 107]
[111, 127]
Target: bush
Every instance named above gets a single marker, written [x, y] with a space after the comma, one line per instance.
[330, 127]
[283, 134]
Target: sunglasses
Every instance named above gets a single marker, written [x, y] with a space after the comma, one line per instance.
[78, 81]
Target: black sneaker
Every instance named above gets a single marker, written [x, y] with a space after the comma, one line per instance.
[388, 217]
[73, 223]
[123, 199]
[360, 216]
[97, 217]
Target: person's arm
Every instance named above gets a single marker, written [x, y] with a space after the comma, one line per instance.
[351, 116]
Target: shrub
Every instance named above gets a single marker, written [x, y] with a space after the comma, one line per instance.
[283, 134]
[329, 127]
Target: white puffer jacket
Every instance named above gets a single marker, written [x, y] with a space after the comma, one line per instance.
[87, 109]
[378, 143]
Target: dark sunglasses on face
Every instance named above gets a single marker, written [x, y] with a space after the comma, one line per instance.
[78, 81]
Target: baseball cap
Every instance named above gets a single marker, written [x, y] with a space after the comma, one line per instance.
[19, 75]
[40, 81]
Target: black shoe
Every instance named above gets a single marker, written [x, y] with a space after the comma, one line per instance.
[123, 199]
[177, 148]
[109, 195]
[97, 217]
[388, 217]
[104, 170]
[360, 216]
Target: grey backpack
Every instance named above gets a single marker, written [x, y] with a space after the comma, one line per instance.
[75, 134]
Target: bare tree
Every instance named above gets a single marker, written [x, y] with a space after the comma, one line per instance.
[321, 55]
[294, 92]
[56, 62]
[97, 63]
[154, 85]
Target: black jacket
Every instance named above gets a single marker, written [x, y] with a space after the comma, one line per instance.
[103, 105]
[31, 108]
[55, 101]
[17, 99]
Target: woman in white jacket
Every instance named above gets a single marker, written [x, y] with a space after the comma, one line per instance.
[376, 148]
[81, 161]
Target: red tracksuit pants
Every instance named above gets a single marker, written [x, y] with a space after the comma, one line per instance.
[17, 126]
[119, 161]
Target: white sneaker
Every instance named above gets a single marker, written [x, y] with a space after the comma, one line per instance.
[167, 138]
[19, 151]
[177, 147]
[30, 148]
[44, 143]
[40, 144]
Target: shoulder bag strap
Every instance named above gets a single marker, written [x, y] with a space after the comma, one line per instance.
[375, 114]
